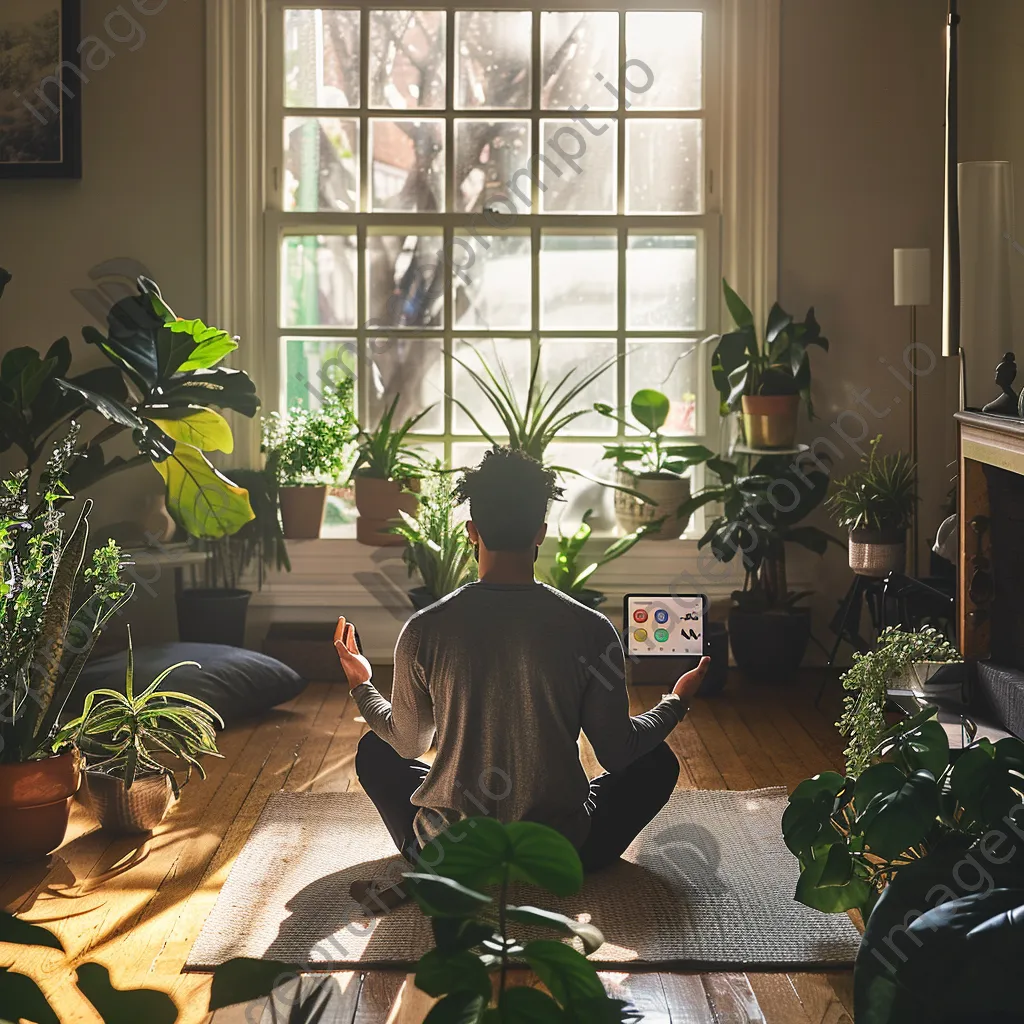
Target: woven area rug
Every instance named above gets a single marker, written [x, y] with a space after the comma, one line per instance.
[708, 885]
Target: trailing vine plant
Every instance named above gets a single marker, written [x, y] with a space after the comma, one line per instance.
[867, 681]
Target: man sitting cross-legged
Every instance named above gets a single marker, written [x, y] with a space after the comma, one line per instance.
[508, 671]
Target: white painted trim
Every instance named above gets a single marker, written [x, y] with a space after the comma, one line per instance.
[751, 45]
[235, 162]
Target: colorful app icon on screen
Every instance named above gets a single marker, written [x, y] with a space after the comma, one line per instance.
[661, 635]
[640, 635]
[640, 615]
[661, 616]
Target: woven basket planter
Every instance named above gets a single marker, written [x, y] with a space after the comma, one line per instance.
[878, 552]
[667, 492]
[127, 811]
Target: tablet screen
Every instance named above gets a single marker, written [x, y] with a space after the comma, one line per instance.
[665, 626]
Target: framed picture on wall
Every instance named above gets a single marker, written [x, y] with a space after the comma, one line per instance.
[40, 89]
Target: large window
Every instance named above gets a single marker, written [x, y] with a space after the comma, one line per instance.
[484, 180]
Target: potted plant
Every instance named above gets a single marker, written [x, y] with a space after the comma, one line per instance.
[437, 547]
[163, 390]
[386, 477]
[307, 450]
[872, 675]
[128, 740]
[876, 504]
[768, 630]
[566, 574]
[51, 614]
[765, 378]
[217, 612]
[652, 465]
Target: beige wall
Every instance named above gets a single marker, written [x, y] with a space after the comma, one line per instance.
[142, 193]
[862, 114]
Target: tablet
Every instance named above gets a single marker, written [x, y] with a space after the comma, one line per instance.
[664, 625]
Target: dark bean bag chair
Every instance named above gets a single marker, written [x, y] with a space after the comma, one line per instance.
[235, 682]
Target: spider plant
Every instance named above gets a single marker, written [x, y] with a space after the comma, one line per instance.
[437, 546]
[383, 453]
[128, 735]
[544, 413]
[880, 496]
[567, 576]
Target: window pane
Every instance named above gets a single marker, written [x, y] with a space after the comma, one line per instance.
[321, 58]
[582, 174]
[671, 45]
[318, 281]
[582, 494]
[511, 354]
[671, 367]
[578, 47]
[408, 165]
[407, 59]
[661, 277]
[487, 156]
[413, 369]
[314, 367]
[405, 280]
[559, 356]
[664, 166]
[321, 164]
[492, 54]
[492, 281]
[578, 281]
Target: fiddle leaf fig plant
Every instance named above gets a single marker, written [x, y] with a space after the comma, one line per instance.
[164, 386]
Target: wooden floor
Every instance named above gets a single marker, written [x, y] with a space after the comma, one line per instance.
[137, 908]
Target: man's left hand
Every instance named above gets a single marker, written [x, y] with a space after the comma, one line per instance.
[356, 668]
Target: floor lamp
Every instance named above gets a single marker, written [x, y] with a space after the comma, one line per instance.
[912, 286]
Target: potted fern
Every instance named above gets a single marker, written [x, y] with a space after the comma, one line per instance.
[876, 503]
[51, 614]
[653, 465]
[765, 378]
[437, 547]
[129, 738]
[308, 450]
[386, 476]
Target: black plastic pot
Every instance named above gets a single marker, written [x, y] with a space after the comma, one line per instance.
[590, 598]
[421, 598]
[213, 616]
[769, 645]
[717, 644]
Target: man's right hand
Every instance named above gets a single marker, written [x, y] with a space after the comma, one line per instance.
[687, 685]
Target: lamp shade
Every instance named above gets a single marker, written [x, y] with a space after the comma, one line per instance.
[912, 277]
[986, 309]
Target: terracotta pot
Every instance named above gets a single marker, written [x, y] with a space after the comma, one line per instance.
[378, 503]
[667, 492]
[35, 801]
[127, 811]
[878, 552]
[302, 511]
[769, 421]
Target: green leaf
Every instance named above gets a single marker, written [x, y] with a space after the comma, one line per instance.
[453, 935]
[838, 869]
[458, 1008]
[880, 780]
[544, 857]
[902, 819]
[650, 409]
[523, 1005]
[210, 346]
[202, 500]
[21, 997]
[439, 973]
[21, 933]
[569, 976]
[109, 408]
[473, 851]
[737, 307]
[242, 979]
[589, 934]
[830, 899]
[204, 429]
[224, 388]
[439, 896]
[124, 1006]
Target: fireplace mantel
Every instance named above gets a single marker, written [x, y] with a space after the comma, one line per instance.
[983, 441]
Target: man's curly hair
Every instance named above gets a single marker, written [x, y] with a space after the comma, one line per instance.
[508, 495]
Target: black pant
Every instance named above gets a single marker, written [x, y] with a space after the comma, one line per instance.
[620, 804]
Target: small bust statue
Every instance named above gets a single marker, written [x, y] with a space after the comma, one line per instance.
[1008, 403]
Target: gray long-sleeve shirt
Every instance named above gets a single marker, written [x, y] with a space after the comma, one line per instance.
[508, 676]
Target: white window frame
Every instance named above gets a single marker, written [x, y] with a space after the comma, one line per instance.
[244, 222]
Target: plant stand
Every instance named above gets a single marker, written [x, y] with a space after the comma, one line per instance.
[846, 623]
